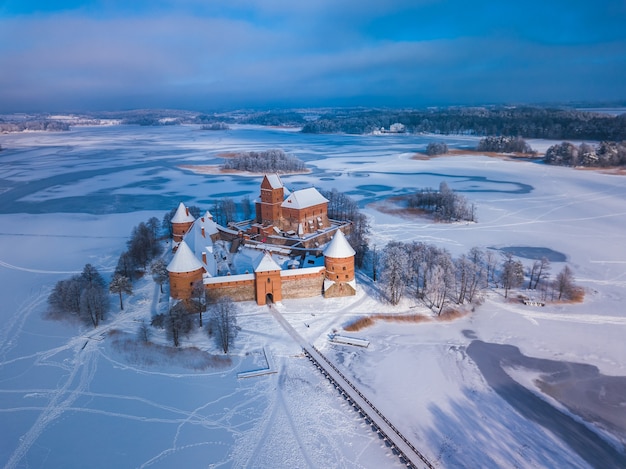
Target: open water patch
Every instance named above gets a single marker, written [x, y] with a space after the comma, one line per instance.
[597, 399]
[534, 253]
[374, 188]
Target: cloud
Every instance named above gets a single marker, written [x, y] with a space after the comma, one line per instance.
[213, 54]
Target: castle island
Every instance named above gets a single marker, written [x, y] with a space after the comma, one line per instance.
[291, 249]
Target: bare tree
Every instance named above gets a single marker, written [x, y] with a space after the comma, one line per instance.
[120, 284]
[144, 333]
[375, 260]
[491, 263]
[176, 323]
[93, 304]
[564, 283]
[65, 296]
[197, 301]
[247, 208]
[126, 266]
[394, 271]
[223, 323]
[542, 272]
[512, 273]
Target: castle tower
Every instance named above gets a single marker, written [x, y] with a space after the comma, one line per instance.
[181, 222]
[267, 279]
[339, 263]
[268, 210]
[184, 271]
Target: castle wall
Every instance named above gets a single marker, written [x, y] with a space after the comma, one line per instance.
[303, 285]
[238, 290]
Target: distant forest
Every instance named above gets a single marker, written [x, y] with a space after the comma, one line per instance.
[523, 121]
[528, 122]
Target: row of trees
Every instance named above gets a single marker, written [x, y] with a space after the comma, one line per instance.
[602, 155]
[504, 144]
[445, 204]
[528, 122]
[268, 161]
[34, 125]
[342, 207]
[431, 275]
[216, 126]
[86, 296]
[142, 247]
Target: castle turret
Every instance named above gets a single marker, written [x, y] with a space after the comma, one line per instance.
[339, 263]
[268, 209]
[185, 269]
[181, 222]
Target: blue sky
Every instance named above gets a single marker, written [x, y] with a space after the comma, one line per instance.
[214, 54]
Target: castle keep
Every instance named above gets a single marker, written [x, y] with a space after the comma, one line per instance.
[290, 250]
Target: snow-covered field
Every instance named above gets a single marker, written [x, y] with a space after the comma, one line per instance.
[68, 398]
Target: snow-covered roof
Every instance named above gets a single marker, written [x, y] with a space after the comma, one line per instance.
[339, 247]
[274, 181]
[210, 228]
[184, 260]
[208, 215]
[181, 215]
[304, 198]
[265, 263]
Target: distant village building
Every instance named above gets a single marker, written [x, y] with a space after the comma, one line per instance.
[396, 128]
[291, 249]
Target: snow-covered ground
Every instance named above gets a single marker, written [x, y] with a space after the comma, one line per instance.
[70, 398]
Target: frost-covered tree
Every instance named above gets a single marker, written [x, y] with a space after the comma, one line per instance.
[92, 277]
[436, 148]
[158, 270]
[394, 271]
[94, 303]
[143, 332]
[511, 273]
[267, 161]
[126, 266]
[121, 284]
[176, 322]
[197, 301]
[223, 322]
[143, 246]
[342, 207]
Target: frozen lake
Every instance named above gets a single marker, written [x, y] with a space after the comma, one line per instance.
[68, 399]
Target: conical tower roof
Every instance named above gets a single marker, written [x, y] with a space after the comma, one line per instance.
[339, 247]
[181, 215]
[184, 260]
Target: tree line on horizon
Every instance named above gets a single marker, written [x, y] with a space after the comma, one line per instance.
[527, 122]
